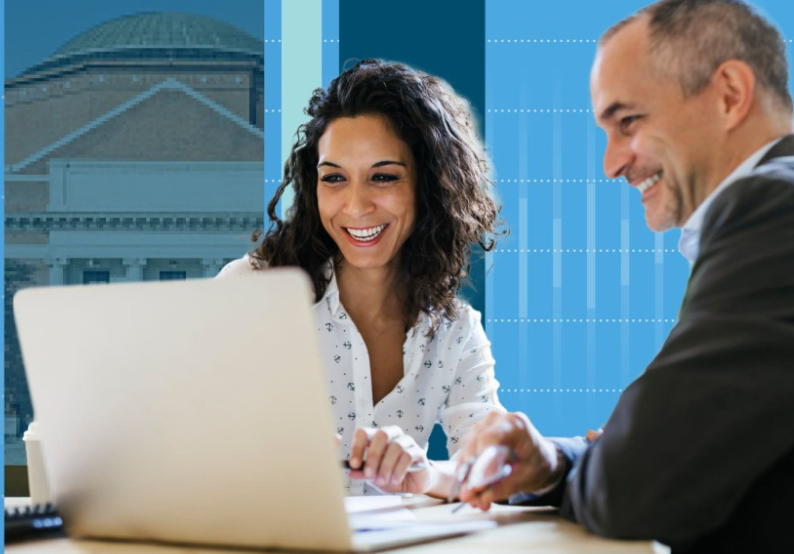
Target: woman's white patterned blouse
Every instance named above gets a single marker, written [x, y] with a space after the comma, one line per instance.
[448, 379]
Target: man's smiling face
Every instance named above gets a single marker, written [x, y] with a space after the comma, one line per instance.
[663, 143]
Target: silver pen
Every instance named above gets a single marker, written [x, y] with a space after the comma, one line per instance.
[479, 471]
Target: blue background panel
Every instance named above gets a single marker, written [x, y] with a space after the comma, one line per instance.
[582, 295]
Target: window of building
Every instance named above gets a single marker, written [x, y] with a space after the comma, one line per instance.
[173, 275]
[92, 277]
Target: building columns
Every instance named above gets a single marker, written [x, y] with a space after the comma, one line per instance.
[57, 266]
[134, 267]
[211, 266]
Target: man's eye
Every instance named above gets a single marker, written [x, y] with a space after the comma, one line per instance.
[626, 123]
[384, 178]
[332, 178]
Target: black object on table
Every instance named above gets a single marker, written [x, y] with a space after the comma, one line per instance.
[32, 522]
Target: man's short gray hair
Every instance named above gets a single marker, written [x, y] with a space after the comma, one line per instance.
[691, 38]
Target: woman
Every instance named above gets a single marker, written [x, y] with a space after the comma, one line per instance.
[391, 191]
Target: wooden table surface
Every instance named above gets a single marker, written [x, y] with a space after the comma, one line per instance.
[520, 530]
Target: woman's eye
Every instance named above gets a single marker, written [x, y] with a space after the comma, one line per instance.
[384, 178]
[332, 178]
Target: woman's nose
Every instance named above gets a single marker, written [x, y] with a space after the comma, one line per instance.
[359, 200]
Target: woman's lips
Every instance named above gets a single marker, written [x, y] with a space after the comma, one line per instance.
[363, 239]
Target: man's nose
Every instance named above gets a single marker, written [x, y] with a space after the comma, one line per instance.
[617, 156]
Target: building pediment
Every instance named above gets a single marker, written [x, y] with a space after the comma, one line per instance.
[168, 122]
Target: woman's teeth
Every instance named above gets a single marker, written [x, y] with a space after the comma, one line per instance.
[366, 235]
[649, 182]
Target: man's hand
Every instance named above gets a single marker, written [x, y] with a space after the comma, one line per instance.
[536, 461]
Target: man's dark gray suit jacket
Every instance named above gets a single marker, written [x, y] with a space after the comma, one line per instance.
[699, 451]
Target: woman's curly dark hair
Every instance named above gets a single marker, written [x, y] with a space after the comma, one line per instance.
[454, 206]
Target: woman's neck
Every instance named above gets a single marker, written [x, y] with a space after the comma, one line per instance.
[370, 295]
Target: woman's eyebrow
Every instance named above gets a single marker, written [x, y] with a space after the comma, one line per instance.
[387, 162]
[376, 164]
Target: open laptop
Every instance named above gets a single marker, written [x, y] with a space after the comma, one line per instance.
[192, 412]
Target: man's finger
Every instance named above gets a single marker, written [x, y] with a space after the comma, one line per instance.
[501, 490]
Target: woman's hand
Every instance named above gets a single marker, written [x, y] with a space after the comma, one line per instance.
[389, 454]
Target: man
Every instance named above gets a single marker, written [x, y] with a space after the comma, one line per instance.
[699, 451]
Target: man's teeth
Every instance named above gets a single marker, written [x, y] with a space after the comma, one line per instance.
[649, 182]
[365, 235]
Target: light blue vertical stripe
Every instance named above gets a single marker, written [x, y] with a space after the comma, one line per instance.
[557, 237]
[523, 293]
[301, 58]
[273, 53]
[557, 271]
[625, 291]
[330, 41]
[591, 217]
[625, 263]
[591, 264]
[658, 309]
[272, 117]
[523, 218]
[525, 363]
[557, 267]
[523, 259]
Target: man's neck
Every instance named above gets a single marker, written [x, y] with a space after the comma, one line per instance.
[741, 143]
[690, 232]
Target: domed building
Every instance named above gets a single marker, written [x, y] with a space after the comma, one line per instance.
[134, 152]
[110, 68]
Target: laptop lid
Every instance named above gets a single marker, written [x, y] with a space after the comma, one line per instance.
[192, 412]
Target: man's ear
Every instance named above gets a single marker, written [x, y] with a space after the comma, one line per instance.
[736, 90]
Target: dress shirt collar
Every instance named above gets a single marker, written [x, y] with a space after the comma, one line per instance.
[689, 243]
[331, 296]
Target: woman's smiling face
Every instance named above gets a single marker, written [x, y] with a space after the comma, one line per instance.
[366, 189]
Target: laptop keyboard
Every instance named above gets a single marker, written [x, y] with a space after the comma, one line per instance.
[32, 522]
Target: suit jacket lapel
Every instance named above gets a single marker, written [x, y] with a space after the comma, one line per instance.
[785, 147]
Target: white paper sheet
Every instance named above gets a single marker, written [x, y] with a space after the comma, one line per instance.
[377, 512]
[359, 504]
